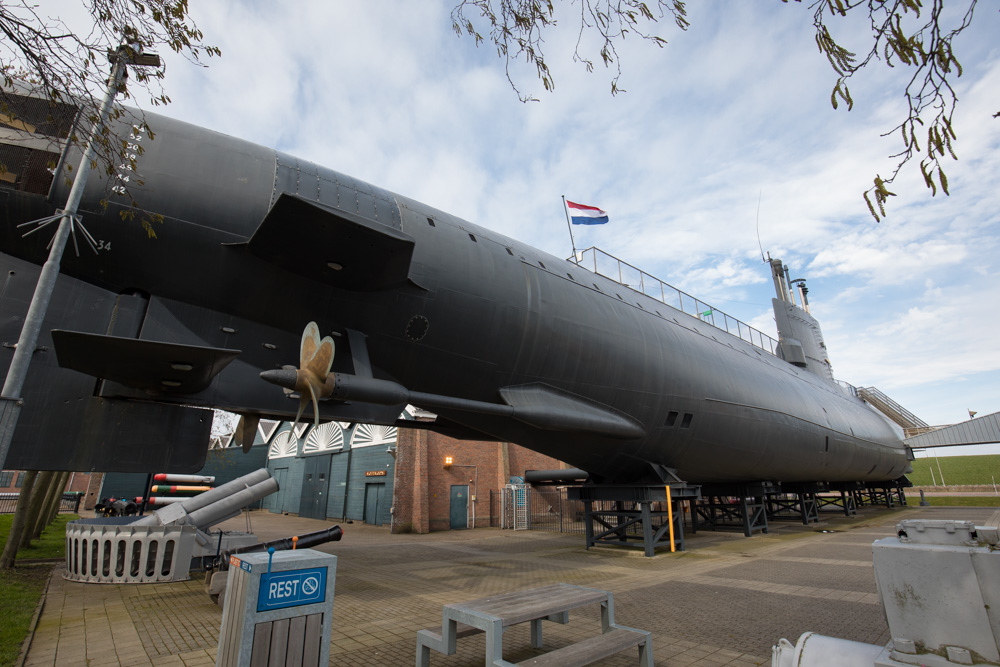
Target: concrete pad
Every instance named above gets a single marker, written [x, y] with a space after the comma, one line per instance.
[725, 601]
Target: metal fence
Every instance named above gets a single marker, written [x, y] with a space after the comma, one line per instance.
[541, 509]
[596, 260]
[70, 502]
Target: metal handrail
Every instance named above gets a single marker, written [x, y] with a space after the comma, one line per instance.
[653, 287]
[848, 387]
[904, 417]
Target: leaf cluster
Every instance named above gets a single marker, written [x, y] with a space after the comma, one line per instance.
[515, 28]
[70, 67]
[909, 34]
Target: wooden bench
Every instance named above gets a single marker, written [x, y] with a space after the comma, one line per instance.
[493, 615]
[595, 648]
[462, 630]
[429, 639]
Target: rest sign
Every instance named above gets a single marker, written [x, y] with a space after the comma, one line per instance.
[291, 588]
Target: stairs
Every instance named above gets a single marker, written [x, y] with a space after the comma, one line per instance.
[909, 422]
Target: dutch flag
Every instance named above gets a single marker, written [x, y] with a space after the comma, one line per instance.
[581, 214]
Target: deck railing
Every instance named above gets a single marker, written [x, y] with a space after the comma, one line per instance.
[603, 264]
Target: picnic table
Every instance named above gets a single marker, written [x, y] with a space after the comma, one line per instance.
[496, 613]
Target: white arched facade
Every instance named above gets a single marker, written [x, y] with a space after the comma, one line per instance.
[327, 437]
[371, 435]
[353, 463]
[284, 445]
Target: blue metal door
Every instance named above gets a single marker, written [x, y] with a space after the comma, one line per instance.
[373, 502]
[315, 485]
[280, 475]
[459, 506]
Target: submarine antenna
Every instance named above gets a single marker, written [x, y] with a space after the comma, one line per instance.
[759, 244]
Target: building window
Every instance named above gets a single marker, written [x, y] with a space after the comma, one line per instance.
[370, 435]
[285, 444]
[323, 438]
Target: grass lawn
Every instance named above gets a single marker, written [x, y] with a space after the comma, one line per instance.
[52, 544]
[962, 470]
[20, 591]
[21, 588]
[954, 501]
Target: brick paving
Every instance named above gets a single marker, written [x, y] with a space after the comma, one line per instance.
[725, 601]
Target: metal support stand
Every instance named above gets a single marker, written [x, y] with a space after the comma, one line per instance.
[796, 502]
[888, 495]
[626, 515]
[846, 501]
[734, 506]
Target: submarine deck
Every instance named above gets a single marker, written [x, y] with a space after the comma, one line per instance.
[725, 601]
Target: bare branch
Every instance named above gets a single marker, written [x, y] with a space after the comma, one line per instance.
[515, 28]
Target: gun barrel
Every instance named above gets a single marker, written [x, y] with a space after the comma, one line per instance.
[332, 534]
[209, 515]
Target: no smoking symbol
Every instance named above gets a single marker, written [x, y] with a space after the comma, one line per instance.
[310, 585]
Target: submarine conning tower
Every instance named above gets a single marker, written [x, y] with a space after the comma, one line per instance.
[800, 340]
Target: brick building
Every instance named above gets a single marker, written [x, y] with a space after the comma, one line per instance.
[11, 481]
[81, 482]
[443, 483]
[383, 475]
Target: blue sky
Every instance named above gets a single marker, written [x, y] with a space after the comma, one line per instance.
[734, 110]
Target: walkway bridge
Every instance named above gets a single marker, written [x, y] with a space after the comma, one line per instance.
[919, 435]
[978, 431]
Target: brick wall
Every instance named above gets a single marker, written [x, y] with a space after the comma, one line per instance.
[409, 502]
[422, 492]
[79, 481]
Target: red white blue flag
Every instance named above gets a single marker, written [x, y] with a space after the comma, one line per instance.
[581, 214]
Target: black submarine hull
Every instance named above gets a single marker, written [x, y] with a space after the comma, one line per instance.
[254, 243]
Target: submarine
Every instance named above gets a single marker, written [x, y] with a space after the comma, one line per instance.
[204, 306]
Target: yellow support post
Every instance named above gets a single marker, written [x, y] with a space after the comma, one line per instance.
[670, 515]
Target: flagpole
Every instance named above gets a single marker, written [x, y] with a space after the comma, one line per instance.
[569, 226]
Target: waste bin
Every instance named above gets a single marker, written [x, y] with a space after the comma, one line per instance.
[278, 609]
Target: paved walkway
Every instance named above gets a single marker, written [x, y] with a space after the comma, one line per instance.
[725, 601]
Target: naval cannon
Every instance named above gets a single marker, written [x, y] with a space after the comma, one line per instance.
[162, 546]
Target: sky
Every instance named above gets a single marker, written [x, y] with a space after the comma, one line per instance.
[724, 146]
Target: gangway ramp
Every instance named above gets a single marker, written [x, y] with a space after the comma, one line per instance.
[909, 422]
[979, 431]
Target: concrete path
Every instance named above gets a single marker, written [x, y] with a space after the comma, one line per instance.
[725, 601]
